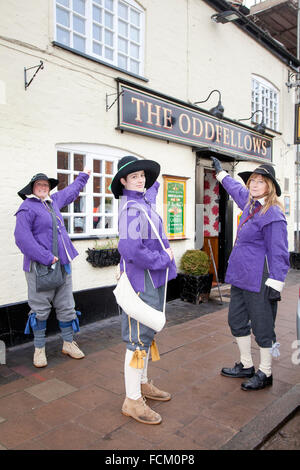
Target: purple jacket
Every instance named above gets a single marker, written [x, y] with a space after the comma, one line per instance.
[33, 232]
[264, 235]
[138, 245]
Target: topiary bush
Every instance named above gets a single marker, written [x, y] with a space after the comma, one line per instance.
[195, 262]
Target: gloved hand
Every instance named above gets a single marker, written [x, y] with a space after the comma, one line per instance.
[273, 294]
[216, 164]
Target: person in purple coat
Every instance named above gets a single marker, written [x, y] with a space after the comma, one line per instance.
[33, 236]
[146, 263]
[257, 268]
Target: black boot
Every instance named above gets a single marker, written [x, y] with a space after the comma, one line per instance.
[257, 382]
[238, 371]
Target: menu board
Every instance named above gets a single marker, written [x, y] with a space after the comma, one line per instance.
[174, 206]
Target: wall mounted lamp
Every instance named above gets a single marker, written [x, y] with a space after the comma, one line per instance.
[259, 127]
[218, 110]
[226, 16]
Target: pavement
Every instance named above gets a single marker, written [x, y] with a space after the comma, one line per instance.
[76, 404]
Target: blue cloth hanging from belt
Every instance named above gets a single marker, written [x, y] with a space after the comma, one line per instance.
[34, 323]
[74, 323]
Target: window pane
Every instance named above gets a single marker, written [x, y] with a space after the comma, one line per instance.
[78, 24]
[79, 6]
[108, 204]
[97, 222]
[109, 168]
[97, 166]
[78, 43]
[134, 67]
[63, 36]
[109, 38]
[97, 184]
[123, 45]
[78, 162]
[134, 34]
[109, 20]
[97, 14]
[123, 11]
[98, 1]
[135, 17]
[65, 209]
[123, 28]
[122, 61]
[109, 53]
[62, 17]
[79, 224]
[134, 51]
[79, 204]
[63, 160]
[97, 32]
[63, 2]
[109, 4]
[97, 204]
[108, 222]
[107, 183]
[63, 181]
[97, 48]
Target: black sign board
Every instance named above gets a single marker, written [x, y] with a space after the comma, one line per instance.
[297, 124]
[150, 114]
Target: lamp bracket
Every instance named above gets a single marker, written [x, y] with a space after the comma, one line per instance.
[293, 80]
[37, 67]
[117, 99]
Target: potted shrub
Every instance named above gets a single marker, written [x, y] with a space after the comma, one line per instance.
[195, 281]
[104, 254]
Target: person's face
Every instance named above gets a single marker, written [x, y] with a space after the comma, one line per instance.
[258, 186]
[41, 189]
[135, 181]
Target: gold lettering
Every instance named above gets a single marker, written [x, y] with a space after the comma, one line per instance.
[167, 118]
[187, 121]
[226, 136]
[256, 144]
[138, 108]
[153, 113]
[218, 133]
[207, 123]
[263, 144]
[232, 138]
[247, 138]
[240, 146]
[195, 121]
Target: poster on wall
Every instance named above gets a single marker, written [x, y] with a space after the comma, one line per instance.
[174, 206]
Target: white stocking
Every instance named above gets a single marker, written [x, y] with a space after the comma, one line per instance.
[132, 378]
[244, 344]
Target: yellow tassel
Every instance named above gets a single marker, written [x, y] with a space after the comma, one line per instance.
[137, 360]
[154, 351]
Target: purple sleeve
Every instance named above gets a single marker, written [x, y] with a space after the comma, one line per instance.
[132, 247]
[70, 193]
[26, 242]
[276, 242]
[237, 191]
[152, 192]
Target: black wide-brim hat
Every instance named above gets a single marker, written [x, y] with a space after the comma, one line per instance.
[27, 190]
[265, 170]
[130, 164]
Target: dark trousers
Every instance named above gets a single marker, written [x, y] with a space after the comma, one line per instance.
[253, 311]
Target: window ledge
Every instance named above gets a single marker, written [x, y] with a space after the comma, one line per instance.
[93, 237]
[86, 56]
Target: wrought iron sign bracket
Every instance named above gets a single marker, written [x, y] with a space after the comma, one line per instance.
[37, 67]
[117, 99]
[293, 80]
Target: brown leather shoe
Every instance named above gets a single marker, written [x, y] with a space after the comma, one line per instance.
[140, 411]
[150, 391]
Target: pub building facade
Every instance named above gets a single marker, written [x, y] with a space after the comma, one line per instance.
[87, 82]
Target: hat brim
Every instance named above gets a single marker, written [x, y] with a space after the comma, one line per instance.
[27, 190]
[151, 168]
[245, 175]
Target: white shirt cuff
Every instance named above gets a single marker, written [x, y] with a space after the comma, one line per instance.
[277, 285]
[221, 175]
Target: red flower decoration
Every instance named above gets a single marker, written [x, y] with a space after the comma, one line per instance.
[206, 220]
[215, 210]
[206, 233]
[216, 189]
[206, 184]
[206, 199]
[216, 226]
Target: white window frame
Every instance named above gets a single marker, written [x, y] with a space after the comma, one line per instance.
[132, 6]
[91, 152]
[265, 97]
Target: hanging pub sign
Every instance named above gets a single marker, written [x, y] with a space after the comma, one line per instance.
[174, 206]
[152, 114]
[297, 124]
